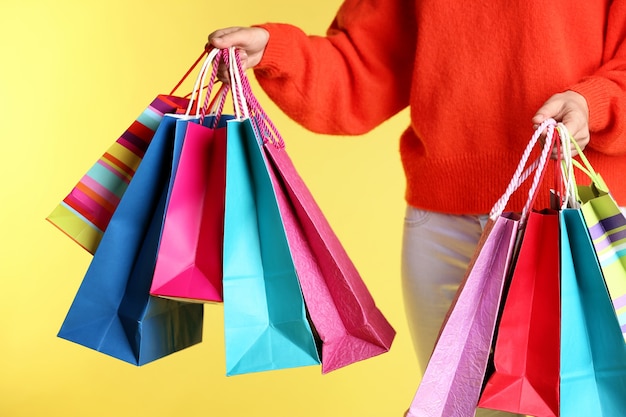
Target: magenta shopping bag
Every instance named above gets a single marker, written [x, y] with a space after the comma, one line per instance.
[343, 312]
[189, 262]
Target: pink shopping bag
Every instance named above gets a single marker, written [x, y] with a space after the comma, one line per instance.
[189, 260]
[343, 312]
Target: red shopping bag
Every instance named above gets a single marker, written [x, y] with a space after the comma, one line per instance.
[526, 356]
[527, 353]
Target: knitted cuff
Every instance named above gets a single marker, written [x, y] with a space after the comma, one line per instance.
[596, 91]
[281, 43]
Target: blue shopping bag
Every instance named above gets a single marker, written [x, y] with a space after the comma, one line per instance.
[112, 311]
[265, 321]
[593, 353]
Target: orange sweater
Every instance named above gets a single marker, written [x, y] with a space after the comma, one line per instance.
[473, 73]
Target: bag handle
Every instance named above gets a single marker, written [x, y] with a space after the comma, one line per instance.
[567, 169]
[193, 66]
[239, 103]
[267, 130]
[209, 62]
[216, 106]
[522, 173]
[246, 104]
[585, 166]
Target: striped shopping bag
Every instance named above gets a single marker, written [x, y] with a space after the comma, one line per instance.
[85, 212]
[607, 227]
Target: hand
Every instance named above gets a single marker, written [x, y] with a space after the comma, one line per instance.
[569, 108]
[250, 41]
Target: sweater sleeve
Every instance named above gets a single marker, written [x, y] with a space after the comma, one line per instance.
[605, 90]
[352, 79]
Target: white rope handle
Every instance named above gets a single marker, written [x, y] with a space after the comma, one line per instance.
[567, 169]
[200, 79]
[521, 173]
[239, 99]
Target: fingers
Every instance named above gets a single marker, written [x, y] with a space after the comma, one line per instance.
[569, 108]
[250, 41]
[225, 38]
[240, 37]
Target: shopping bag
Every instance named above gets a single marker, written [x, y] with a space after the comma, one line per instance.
[593, 353]
[342, 310]
[525, 378]
[112, 311]
[86, 211]
[452, 382]
[526, 354]
[189, 260]
[607, 227]
[265, 320]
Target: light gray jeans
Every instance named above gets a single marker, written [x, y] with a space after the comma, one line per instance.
[436, 250]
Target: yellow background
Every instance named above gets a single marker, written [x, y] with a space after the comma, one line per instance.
[73, 76]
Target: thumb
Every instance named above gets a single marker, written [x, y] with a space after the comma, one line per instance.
[225, 38]
[550, 109]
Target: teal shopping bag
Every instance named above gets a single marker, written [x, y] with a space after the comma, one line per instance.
[607, 228]
[265, 320]
[593, 353]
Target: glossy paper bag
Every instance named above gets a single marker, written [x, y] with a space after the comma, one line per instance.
[593, 353]
[527, 347]
[453, 379]
[189, 262]
[266, 325]
[607, 227]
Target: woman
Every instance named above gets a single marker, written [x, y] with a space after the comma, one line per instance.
[477, 77]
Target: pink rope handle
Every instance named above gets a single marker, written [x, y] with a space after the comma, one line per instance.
[222, 94]
[209, 88]
[269, 132]
[240, 105]
[539, 173]
[522, 173]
